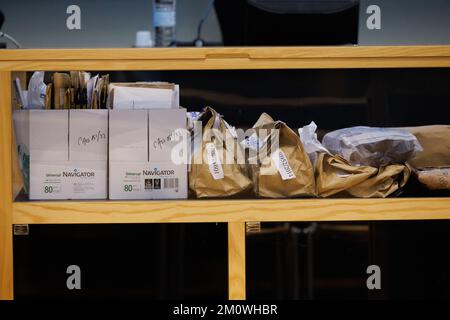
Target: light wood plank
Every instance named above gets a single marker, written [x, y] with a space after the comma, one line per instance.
[236, 261]
[67, 212]
[17, 178]
[226, 58]
[6, 248]
[229, 64]
[224, 52]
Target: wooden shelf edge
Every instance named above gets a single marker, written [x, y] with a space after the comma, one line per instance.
[204, 211]
[254, 52]
[223, 58]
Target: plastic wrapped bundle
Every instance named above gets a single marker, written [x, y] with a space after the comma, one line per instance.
[376, 147]
[337, 176]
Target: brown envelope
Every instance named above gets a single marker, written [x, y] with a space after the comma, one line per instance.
[48, 97]
[235, 179]
[151, 85]
[103, 94]
[61, 82]
[68, 102]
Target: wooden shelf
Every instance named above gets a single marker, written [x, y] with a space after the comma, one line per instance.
[233, 212]
[199, 211]
[225, 58]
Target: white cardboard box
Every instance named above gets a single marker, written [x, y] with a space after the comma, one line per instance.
[131, 176]
[145, 180]
[88, 135]
[68, 180]
[164, 125]
[49, 134]
[66, 159]
[128, 135]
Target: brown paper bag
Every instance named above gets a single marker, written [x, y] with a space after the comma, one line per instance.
[432, 165]
[335, 175]
[435, 141]
[209, 175]
[388, 180]
[294, 174]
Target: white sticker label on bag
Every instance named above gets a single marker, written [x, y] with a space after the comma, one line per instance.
[282, 164]
[215, 166]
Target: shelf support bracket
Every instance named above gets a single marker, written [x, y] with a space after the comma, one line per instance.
[253, 227]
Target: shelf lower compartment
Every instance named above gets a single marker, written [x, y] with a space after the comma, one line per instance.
[202, 211]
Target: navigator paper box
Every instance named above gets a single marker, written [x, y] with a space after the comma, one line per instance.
[63, 153]
[140, 160]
